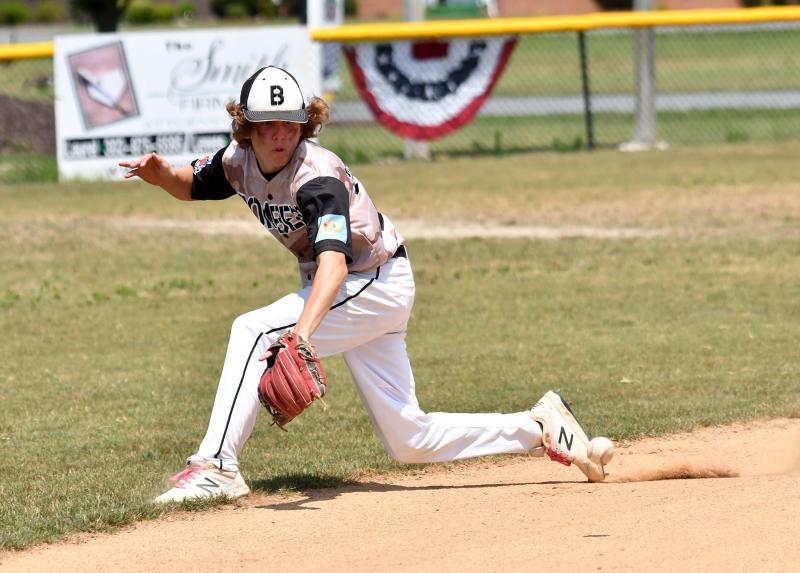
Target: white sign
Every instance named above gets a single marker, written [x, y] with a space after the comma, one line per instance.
[119, 96]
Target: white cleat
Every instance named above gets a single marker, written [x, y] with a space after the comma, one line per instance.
[563, 438]
[203, 482]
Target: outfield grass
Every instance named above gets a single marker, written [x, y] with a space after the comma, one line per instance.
[115, 334]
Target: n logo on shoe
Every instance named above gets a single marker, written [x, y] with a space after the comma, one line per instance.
[562, 435]
[209, 486]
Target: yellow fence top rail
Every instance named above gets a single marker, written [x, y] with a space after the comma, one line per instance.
[26, 51]
[502, 26]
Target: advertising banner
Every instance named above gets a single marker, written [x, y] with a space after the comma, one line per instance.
[119, 96]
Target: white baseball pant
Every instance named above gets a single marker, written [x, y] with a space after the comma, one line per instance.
[368, 325]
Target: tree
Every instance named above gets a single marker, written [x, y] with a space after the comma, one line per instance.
[104, 13]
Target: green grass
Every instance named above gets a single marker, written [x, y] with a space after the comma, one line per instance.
[114, 335]
[30, 80]
[697, 62]
[27, 167]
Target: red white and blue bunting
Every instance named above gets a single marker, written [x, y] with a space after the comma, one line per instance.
[427, 89]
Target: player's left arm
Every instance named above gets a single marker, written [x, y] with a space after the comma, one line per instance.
[331, 272]
[325, 205]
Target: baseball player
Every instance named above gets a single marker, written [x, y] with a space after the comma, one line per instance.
[356, 294]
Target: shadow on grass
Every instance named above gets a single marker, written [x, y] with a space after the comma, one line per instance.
[298, 482]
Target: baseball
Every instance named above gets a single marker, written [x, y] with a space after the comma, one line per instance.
[600, 450]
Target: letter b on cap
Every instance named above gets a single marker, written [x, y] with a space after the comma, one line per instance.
[275, 95]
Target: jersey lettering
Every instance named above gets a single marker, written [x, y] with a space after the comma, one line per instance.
[283, 218]
[275, 215]
[291, 217]
[275, 95]
[255, 207]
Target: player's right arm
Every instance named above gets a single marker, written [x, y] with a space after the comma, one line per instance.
[157, 171]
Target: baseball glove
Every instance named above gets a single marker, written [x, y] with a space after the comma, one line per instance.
[294, 378]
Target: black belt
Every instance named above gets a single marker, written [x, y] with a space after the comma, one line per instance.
[400, 252]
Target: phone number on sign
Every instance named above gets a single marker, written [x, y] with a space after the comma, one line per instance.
[136, 145]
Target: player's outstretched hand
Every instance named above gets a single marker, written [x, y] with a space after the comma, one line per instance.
[151, 168]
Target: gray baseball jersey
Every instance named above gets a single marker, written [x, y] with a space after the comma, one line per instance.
[313, 204]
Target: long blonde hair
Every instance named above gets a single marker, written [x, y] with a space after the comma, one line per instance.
[318, 114]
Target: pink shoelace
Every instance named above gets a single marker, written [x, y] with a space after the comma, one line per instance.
[183, 477]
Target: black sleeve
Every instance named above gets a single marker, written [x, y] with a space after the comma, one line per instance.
[209, 181]
[325, 205]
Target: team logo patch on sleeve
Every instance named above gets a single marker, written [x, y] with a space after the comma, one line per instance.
[199, 164]
[332, 227]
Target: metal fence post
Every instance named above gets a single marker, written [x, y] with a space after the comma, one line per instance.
[587, 94]
[414, 11]
[644, 136]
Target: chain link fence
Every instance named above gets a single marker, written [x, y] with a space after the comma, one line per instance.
[716, 85]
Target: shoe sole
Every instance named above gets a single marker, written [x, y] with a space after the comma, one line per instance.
[230, 496]
[237, 492]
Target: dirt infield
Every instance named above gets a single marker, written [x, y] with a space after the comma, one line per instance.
[716, 499]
